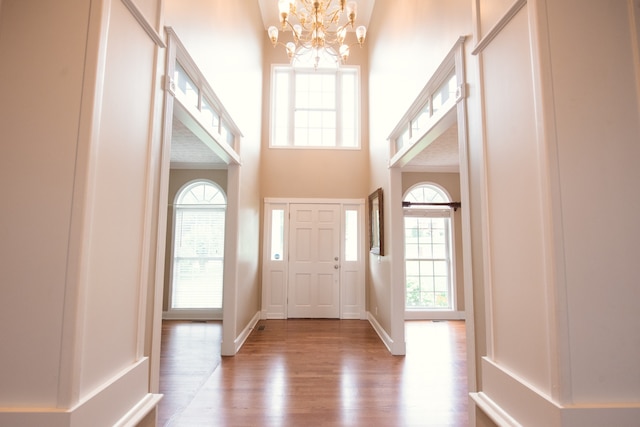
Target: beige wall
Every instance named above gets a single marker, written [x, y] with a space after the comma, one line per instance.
[561, 261]
[314, 173]
[407, 42]
[450, 182]
[178, 178]
[225, 39]
[75, 168]
[37, 172]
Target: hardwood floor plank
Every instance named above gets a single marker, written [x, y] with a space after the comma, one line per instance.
[302, 372]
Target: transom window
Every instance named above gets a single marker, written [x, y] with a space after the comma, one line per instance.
[198, 253]
[428, 250]
[315, 107]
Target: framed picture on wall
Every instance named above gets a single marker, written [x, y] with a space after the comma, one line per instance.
[376, 233]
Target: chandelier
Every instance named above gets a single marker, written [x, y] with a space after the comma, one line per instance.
[319, 30]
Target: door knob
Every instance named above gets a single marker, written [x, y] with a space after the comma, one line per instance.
[336, 266]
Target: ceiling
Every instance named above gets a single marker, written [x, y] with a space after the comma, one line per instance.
[270, 16]
[188, 151]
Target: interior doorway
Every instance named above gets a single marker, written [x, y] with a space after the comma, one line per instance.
[431, 139]
[200, 142]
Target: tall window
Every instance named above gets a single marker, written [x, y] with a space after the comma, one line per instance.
[428, 250]
[315, 108]
[198, 252]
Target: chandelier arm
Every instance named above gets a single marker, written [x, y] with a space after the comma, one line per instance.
[318, 28]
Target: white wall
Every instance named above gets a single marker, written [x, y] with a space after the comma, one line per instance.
[561, 142]
[225, 40]
[43, 57]
[80, 98]
[600, 230]
[407, 41]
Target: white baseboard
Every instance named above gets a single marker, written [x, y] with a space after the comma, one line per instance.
[192, 315]
[139, 412]
[121, 401]
[240, 339]
[510, 401]
[386, 339]
[434, 315]
[266, 315]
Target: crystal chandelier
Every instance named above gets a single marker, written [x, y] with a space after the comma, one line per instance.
[320, 28]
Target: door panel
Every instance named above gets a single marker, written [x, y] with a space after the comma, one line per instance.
[314, 278]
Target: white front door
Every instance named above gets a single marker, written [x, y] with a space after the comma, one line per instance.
[314, 261]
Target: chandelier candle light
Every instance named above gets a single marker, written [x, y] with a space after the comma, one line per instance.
[319, 29]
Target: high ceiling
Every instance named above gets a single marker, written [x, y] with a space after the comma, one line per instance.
[188, 151]
[269, 10]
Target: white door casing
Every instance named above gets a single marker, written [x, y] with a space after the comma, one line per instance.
[347, 242]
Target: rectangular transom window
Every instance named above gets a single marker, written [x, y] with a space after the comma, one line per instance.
[315, 108]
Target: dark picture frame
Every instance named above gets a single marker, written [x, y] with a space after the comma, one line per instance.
[376, 222]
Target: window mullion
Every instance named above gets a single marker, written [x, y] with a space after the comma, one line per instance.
[292, 109]
[338, 107]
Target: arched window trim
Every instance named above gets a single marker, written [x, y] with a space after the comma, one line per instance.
[195, 183]
[436, 212]
[219, 199]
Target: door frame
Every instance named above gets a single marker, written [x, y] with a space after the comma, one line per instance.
[275, 272]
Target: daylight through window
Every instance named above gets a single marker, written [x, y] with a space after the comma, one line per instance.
[315, 108]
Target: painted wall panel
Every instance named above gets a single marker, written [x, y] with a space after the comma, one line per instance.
[515, 216]
[598, 133]
[117, 204]
[42, 46]
[490, 13]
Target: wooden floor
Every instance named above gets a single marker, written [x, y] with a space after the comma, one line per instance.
[313, 373]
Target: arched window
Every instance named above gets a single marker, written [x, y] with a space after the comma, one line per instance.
[198, 247]
[428, 252]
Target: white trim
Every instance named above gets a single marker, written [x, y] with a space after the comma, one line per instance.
[395, 223]
[446, 213]
[138, 413]
[80, 233]
[123, 395]
[493, 411]
[242, 338]
[551, 206]
[386, 339]
[499, 26]
[164, 167]
[203, 313]
[231, 264]
[280, 311]
[194, 314]
[339, 72]
[510, 400]
[465, 223]
[144, 23]
[434, 315]
[313, 201]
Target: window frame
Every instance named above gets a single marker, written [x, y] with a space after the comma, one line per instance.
[198, 312]
[339, 72]
[435, 212]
